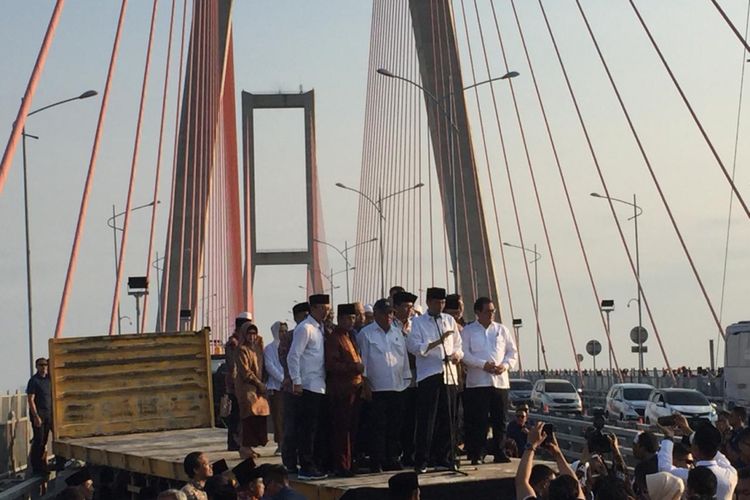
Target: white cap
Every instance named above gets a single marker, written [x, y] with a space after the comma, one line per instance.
[418, 309]
[368, 308]
[245, 315]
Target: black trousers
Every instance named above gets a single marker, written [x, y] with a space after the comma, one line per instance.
[434, 426]
[39, 445]
[233, 424]
[386, 414]
[484, 407]
[408, 428]
[289, 444]
[307, 414]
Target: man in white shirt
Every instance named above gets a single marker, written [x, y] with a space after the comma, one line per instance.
[489, 354]
[306, 362]
[705, 442]
[383, 350]
[436, 345]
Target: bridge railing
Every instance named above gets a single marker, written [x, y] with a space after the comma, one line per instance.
[15, 433]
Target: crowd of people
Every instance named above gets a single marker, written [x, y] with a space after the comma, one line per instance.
[372, 388]
[702, 463]
[387, 387]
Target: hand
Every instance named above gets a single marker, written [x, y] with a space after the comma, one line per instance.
[499, 369]
[668, 432]
[445, 335]
[681, 423]
[597, 466]
[613, 442]
[489, 367]
[537, 435]
[37, 421]
[297, 390]
[455, 358]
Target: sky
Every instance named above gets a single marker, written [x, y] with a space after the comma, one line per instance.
[288, 45]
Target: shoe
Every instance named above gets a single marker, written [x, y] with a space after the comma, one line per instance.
[501, 458]
[310, 475]
[291, 469]
[376, 469]
[344, 473]
[420, 469]
[393, 465]
[477, 461]
[446, 466]
[408, 462]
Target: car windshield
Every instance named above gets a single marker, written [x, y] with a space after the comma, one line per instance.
[520, 385]
[559, 387]
[636, 393]
[686, 398]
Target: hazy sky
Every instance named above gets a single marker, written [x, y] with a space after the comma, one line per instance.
[323, 45]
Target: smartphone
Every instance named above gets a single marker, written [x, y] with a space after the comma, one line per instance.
[549, 430]
[667, 421]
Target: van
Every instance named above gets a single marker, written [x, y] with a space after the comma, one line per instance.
[737, 365]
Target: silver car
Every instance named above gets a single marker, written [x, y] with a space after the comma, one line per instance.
[627, 401]
[556, 395]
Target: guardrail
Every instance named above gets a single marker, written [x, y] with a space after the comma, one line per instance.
[571, 432]
[15, 433]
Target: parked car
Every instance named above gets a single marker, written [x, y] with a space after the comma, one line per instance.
[520, 391]
[689, 402]
[556, 395]
[627, 401]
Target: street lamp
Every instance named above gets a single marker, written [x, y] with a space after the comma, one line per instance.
[112, 222]
[345, 255]
[448, 113]
[607, 306]
[137, 287]
[517, 324]
[637, 212]
[379, 208]
[537, 256]
[24, 135]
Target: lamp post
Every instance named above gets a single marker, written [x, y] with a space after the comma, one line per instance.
[158, 278]
[329, 278]
[448, 113]
[378, 204]
[345, 254]
[607, 306]
[537, 256]
[112, 222]
[637, 212]
[517, 324]
[24, 135]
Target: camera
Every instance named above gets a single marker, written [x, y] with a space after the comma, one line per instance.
[667, 421]
[598, 441]
[549, 430]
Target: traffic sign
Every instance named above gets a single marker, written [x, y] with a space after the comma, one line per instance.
[593, 347]
[638, 335]
[634, 348]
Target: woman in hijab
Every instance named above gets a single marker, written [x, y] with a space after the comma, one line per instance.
[250, 390]
[664, 486]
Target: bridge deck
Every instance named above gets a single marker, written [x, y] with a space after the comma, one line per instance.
[161, 454]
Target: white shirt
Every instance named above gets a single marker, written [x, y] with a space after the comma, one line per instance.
[426, 329]
[385, 358]
[306, 358]
[273, 367]
[726, 475]
[494, 344]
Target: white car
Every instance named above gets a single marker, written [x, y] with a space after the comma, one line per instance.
[556, 395]
[689, 402]
[627, 401]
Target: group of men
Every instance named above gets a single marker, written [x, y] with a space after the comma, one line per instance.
[381, 392]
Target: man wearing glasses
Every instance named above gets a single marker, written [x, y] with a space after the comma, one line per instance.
[39, 394]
